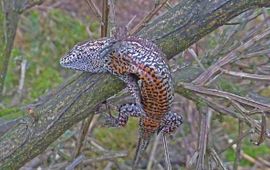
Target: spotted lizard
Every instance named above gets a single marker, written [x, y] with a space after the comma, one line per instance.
[141, 65]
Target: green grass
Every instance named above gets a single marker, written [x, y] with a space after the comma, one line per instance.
[250, 149]
[43, 39]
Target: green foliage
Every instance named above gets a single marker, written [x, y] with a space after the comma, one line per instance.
[10, 114]
[265, 91]
[229, 86]
[43, 39]
[119, 138]
[249, 149]
[46, 79]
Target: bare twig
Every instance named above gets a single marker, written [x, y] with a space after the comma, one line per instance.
[233, 55]
[18, 97]
[112, 14]
[105, 16]
[263, 130]
[128, 26]
[30, 4]
[22, 77]
[195, 56]
[246, 75]
[192, 159]
[265, 162]
[147, 18]
[203, 138]
[216, 158]
[83, 133]
[152, 154]
[95, 9]
[251, 159]
[108, 156]
[239, 138]
[238, 146]
[75, 162]
[226, 95]
[167, 155]
[256, 53]
[96, 145]
[245, 21]
[259, 127]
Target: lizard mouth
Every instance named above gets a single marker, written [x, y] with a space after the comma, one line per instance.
[70, 58]
[65, 60]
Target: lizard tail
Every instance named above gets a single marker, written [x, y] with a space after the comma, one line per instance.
[141, 147]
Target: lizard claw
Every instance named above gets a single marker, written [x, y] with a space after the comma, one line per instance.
[111, 121]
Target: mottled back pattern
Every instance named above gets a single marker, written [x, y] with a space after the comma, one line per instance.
[143, 59]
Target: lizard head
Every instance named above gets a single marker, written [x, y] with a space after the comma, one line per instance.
[89, 56]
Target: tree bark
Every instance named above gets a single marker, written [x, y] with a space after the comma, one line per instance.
[76, 99]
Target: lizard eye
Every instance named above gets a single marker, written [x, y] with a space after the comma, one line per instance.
[73, 55]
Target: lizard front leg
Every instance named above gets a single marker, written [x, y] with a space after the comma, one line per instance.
[126, 110]
[133, 86]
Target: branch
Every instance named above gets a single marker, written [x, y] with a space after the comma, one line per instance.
[189, 21]
[76, 99]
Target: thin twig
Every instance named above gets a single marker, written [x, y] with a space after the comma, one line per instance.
[22, 78]
[128, 26]
[83, 133]
[105, 16]
[147, 18]
[259, 128]
[236, 102]
[203, 136]
[216, 158]
[238, 147]
[95, 9]
[226, 95]
[233, 55]
[75, 162]
[245, 21]
[108, 156]
[256, 53]
[195, 56]
[112, 14]
[167, 155]
[192, 160]
[18, 97]
[246, 75]
[239, 138]
[152, 154]
[263, 131]
[30, 4]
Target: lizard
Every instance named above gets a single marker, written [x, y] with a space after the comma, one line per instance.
[141, 65]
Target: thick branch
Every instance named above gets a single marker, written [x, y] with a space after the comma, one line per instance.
[190, 20]
[75, 100]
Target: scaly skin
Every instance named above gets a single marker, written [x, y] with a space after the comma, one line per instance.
[133, 59]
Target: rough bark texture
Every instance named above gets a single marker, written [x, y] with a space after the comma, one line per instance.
[76, 99]
[190, 20]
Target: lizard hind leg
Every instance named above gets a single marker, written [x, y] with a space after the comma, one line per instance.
[125, 110]
[171, 122]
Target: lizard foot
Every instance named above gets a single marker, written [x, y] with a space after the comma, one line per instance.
[171, 122]
[126, 110]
